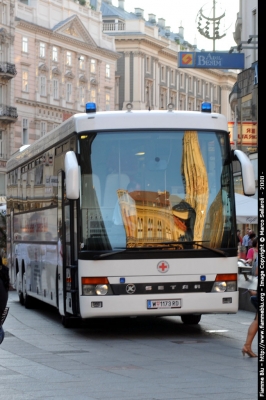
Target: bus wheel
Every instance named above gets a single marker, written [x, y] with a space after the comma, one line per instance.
[69, 322]
[21, 298]
[27, 300]
[20, 292]
[191, 319]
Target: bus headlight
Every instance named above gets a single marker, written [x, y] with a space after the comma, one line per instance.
[219, 287]
[101, 290]
[223, 285]
[95, 286]
[88, 290]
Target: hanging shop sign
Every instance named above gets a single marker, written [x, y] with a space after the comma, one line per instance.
[212, 60]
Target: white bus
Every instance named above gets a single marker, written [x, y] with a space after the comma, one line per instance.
[127, 213]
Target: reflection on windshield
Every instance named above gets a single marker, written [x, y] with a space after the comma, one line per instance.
[140, 189]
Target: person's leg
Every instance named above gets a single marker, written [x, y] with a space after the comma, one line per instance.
[252, 330]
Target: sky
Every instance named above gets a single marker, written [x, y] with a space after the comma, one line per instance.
[176, 12]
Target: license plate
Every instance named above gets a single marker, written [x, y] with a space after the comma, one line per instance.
[153, 304]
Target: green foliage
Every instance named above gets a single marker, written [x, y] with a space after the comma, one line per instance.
[82, 2]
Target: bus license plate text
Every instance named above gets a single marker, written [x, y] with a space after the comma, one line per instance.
[152, 304]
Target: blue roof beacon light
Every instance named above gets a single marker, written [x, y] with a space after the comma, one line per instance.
[90, 108]
[206, 107]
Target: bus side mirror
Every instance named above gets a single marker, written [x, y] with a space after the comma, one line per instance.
[72, 176]
[248, 176]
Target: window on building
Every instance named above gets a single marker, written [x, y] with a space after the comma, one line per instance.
[190, 83]
[2, 58]
[4, 14]
[107, 101]
[55, 54]
[93, 66]
[1, 144]
[148, 64]
[25, 81]
[68, 58]
[25, 133]
[82, 95]
[162, 100]
[107, 71]
[140, 228]
[207, 90]
[181, 80]
[215, 92]
[68, 92]
[93, 95]
[42, 50]
[3, 184]
[82, 62]
[55, 89]
[43, 128]
[162, 73]
[172, 77]
[199, 86]
[42, 85]
[25, 44]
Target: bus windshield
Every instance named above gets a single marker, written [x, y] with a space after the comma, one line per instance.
[151, 189]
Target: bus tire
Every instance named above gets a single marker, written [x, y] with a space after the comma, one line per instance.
[28, 301]
[69, 322]
[20, 292]
[21, 298]
[66, 321]
[191, 319]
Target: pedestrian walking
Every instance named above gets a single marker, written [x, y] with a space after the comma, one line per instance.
[246, 239]
[252, 255]
[4, 287]
[252, 236]
[253, 328]
[239, 238]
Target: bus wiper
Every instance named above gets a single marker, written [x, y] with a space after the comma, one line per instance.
[198, 243]
[104, 255]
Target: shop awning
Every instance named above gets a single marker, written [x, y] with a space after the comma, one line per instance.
[246, 209]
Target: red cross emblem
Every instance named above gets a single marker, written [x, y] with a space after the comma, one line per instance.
[163, 266]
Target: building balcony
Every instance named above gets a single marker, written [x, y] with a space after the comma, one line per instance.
[113, 26]
[7, 113]
[7, 70]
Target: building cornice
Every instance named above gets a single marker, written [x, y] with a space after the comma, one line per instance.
[65, 39]
[39, 104]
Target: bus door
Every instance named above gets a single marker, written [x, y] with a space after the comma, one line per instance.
[67, 252]
[60, 254]
[70, 229]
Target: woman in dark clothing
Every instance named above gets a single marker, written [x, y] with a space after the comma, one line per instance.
[4, 286]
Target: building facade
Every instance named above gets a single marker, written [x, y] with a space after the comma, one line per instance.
[147, 72]
[8, 112]
[62, 54]
[63, 60]
[244, 96]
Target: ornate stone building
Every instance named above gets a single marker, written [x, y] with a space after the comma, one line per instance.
[62, 60]
[147, 72]
[8, 113]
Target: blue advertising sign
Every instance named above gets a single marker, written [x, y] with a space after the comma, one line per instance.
[209, 59]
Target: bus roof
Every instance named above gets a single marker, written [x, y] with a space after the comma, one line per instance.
[119, 120]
